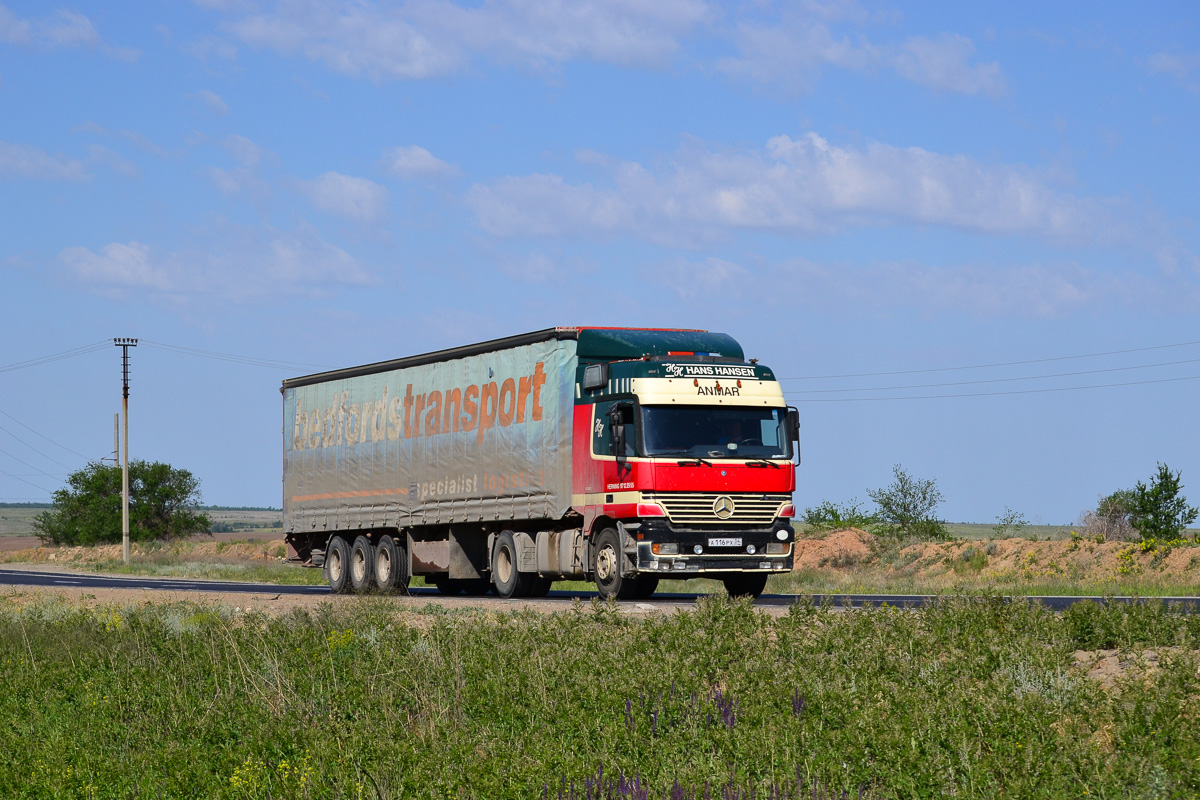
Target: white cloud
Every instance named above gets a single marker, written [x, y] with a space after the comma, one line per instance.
[138, 140]
[99, 154]
[425, 38]
[239, 180]
[346, 196]
[1180, 65]
[415, 161]
[793, 186]
[215, 104]
[790, 51]
[943, 63]
[244, 151]
[712, 277]
[62, 29]
[240, 264]
[24, 161]
[1025, 291]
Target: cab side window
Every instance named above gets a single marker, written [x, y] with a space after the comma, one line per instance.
[602, 443]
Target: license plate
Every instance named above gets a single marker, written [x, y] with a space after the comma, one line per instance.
[725, 541]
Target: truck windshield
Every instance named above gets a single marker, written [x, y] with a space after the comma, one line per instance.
[721, 432]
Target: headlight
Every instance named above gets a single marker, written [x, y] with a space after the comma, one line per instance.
[776, 549]
[697, 549]
[665, 548]
[751, 549]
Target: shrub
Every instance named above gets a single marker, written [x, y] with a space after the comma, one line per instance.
[1159, 511]
[830, 516]
[907, 506]
[162, 505]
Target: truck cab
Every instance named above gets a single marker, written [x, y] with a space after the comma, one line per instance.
[683, 461]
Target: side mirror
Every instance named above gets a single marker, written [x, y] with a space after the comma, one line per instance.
[595, 376]
[793, 424]
[619, 416]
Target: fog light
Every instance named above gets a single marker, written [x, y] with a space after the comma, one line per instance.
[680, 565]
[665, 548]
[764, 565]
[751, 549]
[781, 535]
[776, 548]
[697, 549]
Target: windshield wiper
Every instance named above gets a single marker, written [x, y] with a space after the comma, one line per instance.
[694, 462]
[762, 463]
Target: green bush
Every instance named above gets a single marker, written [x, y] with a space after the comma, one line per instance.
[907, 506]
[829, 516]
[162, 505]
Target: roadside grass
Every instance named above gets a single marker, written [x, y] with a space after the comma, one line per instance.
[248, 572]
[969, 698]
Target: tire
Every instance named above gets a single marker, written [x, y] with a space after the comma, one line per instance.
[540, 587]
[606, 567]
[646, 584]
[362, 565]
[506, 575]
[337, 565]
[391, 566]
[747, 584]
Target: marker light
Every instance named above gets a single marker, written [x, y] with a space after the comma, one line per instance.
[650, 510]
[788, 511]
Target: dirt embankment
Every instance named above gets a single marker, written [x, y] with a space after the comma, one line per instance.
[217, 549]
[1077, 559]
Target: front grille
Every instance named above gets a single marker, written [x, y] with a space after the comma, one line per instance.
[697, 508]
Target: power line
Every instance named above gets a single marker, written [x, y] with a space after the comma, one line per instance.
[270, 363]
[33, 362]
[34, 449]
[22, 480]
[47, 438]
[998, 380]
[993, 394]
[988, 366]
[26, 463]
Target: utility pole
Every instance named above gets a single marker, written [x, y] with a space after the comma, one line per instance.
[125, 344]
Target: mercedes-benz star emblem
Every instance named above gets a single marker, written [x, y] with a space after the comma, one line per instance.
[723, 507]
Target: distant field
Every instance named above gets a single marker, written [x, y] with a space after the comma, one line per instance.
[18, 521]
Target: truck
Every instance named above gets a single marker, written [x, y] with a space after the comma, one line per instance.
[623, 456]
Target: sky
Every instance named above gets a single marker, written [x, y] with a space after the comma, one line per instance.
[963, 234]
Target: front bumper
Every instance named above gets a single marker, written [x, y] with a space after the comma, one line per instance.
[711, 558]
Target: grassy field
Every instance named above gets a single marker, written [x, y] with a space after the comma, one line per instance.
[972, 698]
[18, 520]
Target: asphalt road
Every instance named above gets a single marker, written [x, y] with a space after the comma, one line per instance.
[12, 577]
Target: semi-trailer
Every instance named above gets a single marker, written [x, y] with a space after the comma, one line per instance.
[622, 456]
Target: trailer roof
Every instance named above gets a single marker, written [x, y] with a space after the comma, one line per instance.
[595, 344]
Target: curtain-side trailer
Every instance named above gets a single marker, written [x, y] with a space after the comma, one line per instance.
[619, 455]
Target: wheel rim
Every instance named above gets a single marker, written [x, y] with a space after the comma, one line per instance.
[383, 565]
[606, 564]
[504, 565]
[358, 565]
[335, 566]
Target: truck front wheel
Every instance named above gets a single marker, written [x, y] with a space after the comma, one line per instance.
[337, 565]
[748, 584]
[606, 566]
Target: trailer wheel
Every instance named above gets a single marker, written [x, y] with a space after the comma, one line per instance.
[606, 566]
[337, 565]
[748, 584]
[646, 585]
[391, 566]
[362, 565]
[506, 576]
